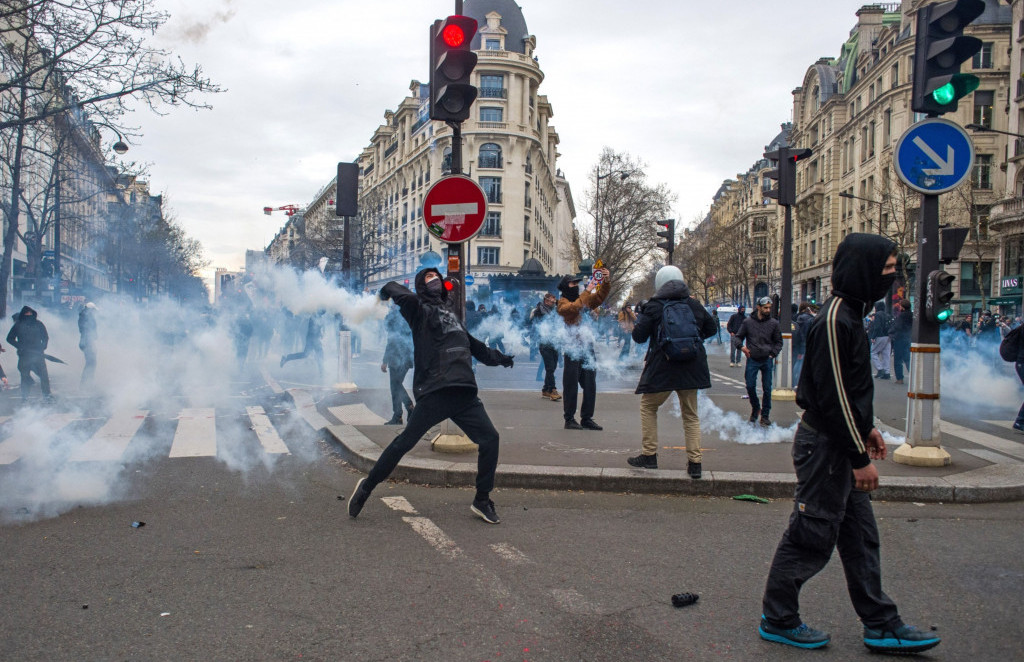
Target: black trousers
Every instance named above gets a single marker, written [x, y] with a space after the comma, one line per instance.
[550, 357]
[900, 356]
[465, 409]
[827, 513]
[574, 376]
[399, 396]
[28, 363]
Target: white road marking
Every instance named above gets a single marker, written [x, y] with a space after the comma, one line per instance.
[110, 441]
[196, 435]
[26, 437]
[510, 553]
[268, 436]
[399, 503]
[990, 456]
[358, 414]
[991, 441]
[306, 408]
[435, 536]
[1003, 424]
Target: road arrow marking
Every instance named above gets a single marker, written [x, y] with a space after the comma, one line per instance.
[945, 168]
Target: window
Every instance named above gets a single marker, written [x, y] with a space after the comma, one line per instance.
[492, 224]
[981, 176]
[493, 45]
[894, 76]
[492, 86]
[491, 114]
[446, 161]
[529, 200]
[983, 58]
[973, 280]
[1013, 255]
[487, 256]
[981, 217]
[490, 156]
[760, 224]
[492, 188]
[529, 164]
[983, 100]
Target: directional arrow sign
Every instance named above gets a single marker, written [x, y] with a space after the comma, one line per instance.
[934, 156]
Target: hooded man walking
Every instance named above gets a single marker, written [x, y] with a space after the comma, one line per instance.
[29, 337]
[832, 452]
[578, 368]
[444, 386]
[661, 375]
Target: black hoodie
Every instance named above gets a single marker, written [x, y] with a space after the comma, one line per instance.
[836, 387]
[28, 334]
[441, 345]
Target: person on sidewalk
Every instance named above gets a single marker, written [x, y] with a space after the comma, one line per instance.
[832, 452]
[881, 347]
[760, 340]
[627, 322]
[87, 342]
[802, 322]
[901, 332]
[579, 367]
[29, 337]
[662, 376]
[733, 327]
[1011, 348]
[397, 362]
[444, 386]
[314, 344]
[548, 353]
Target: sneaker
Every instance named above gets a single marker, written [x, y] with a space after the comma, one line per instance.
[643, 461]
[694, 469]
[898, 381]
[358, 498]
[765, 423]
[555, 395]
[282, 361]
[395, 420]
[590, 424]
[802, 636]
[545, 394]
[904, 639]
[571, 424]
[753, 415]
[485, 511]
[1018, 428]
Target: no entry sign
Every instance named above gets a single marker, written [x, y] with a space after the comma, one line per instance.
[454, 209]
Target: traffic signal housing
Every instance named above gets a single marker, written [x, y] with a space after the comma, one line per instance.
[940, 292]
[785, 174]
[451, 66]
[669, 234]
[940, 49]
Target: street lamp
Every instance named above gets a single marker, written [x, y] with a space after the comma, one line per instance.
[623, 175]
[880, 204]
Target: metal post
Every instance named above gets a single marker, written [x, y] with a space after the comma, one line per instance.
[346, 257]
[785, 361]
[56, 235]
[923, 433]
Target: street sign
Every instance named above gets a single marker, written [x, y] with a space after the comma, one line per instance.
[49, 253]
[454, 209]
[469, 279]
[934, 156]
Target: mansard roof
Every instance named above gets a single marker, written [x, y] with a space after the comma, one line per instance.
[511, 19]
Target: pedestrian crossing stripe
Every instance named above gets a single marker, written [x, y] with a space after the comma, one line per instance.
[267, 434]
[196, 434]
[12, 449]
[111, 440]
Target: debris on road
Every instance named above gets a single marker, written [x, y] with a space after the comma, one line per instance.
[684, 599]
[751, 497]
[138, 525]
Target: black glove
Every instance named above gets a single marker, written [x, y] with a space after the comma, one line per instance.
[506, 360]
[383, 295]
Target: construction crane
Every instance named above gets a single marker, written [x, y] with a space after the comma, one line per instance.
[289, 210]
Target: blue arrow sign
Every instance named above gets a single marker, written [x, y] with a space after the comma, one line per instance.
[934, 156]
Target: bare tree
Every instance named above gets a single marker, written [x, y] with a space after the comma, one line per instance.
[700, 257]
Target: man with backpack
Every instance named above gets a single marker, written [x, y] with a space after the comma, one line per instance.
[763, 338]
[881, 346]
[677, 326]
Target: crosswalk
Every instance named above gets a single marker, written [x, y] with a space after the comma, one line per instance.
[195, 435]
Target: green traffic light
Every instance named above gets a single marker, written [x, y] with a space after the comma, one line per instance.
[945, 94]
[944, 315]
[959, 86]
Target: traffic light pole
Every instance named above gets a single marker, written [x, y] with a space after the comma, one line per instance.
[922, 447]
[455, 251]
[785, 390]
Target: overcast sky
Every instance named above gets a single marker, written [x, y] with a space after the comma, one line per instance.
[695, 90]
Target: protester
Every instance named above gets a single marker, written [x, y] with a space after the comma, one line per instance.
[314, 344]
[760, 340]
[627, 321]
[901, 332]
[803, 321]
[87, 342]
[832, 452]
[444, 386]
[29, 337]
[733, 327]
[718, 326]
[662, 376]
[579, 369]
[1011, 349]
[397, 362]
[548, 353]
[881, 347]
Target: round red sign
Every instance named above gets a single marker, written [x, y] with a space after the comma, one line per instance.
[454, 209]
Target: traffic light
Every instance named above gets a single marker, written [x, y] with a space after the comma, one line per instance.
[951, 241]
[785, 173]
[940, 49]
[940, 293]
[451, 65]
[669, 234]
[347, 190]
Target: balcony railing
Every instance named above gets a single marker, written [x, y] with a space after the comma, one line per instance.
[494, 197]
[489, 162]
[491, 231]
[391, 149]
[493, 92]
[501, 126]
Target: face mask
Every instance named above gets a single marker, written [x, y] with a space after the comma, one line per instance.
[883, 286]
[434, 286]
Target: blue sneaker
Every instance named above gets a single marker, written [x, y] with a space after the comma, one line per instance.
[802, 636]
[904, 639]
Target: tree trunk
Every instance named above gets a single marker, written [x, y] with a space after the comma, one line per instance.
[11, 236]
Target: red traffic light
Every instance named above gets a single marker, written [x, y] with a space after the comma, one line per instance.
[453, 35]
[448, 285]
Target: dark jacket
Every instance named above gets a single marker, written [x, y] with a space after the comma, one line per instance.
[87, 327]
[836, 388]
[735, 322]
[880, 325]
[904, 325]
[398, 351]
[763, 336]
[441, 345]
[28, 334]
[802, 323]
[659, 373]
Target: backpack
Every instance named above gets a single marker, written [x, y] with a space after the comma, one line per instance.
[678, 336]
[1009, 349]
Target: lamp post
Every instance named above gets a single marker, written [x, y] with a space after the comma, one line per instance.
[623, 175]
